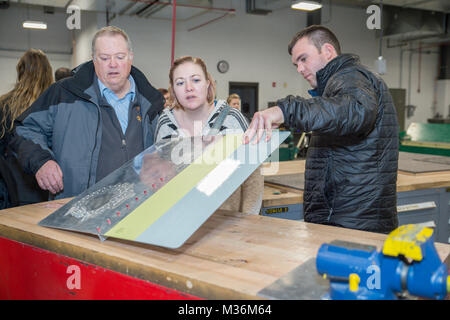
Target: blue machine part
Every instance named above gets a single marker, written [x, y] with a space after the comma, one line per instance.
[408, 262]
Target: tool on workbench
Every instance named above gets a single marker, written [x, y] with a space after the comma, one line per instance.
[408, 262]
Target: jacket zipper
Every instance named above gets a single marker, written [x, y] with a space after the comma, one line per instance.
[329, 216]
[95, 142]
[331, 204]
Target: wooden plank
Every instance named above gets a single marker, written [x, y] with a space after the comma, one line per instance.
[292, 181]
[434, 145]
[282, 167]
[232, 256]
[276, 196]
[422, 164]
[291, 176]
[412, 163]
[406, 182]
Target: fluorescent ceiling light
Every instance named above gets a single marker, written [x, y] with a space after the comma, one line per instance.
[306, 5]
[34, 25]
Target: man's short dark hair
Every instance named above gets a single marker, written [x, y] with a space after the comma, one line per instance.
[318, 35]
[62, 73]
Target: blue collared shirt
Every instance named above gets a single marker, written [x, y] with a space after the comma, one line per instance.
[313, 92]
[120, 106]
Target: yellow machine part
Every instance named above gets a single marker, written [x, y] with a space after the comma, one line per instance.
[353, 282]
[448, 284]
[407, 240]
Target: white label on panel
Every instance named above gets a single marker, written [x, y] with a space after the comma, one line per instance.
[416, 206]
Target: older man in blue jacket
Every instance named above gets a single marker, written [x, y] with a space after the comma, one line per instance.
[352, 160]
[86, 126]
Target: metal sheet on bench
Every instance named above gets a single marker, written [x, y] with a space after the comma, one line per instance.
[167, 192]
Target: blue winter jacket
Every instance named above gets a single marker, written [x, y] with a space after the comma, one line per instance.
[64, 124]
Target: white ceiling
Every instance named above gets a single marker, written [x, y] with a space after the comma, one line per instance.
[141, 8]
[190, 9]
[433, 5]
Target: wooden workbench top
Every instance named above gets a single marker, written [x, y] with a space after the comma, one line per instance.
[406, 180]
[230, 257]
[283, 168]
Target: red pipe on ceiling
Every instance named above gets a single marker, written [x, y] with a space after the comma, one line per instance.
[174, 7]
[174, 20]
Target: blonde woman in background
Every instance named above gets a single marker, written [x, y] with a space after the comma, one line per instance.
[34, 76]
[234, 101]
[165, 94]
[193, 112]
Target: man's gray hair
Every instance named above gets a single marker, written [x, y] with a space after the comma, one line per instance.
[110, 31]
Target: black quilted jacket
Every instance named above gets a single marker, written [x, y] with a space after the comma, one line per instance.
[352, 160]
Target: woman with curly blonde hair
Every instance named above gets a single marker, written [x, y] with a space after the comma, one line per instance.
[34, 76]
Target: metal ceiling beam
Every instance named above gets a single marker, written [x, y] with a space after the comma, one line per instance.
[145, 9]
[208, 22]
[126, 8]
[196, 15]
[185, 5]
[415, 3]
[174, 19]
[156, 9]
[68, 4]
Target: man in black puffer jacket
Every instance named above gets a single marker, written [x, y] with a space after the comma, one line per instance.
[352, 160]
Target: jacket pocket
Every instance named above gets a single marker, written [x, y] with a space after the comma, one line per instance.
[75, 179]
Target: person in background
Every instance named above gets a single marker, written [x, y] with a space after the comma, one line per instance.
[352, 159]
[234, 101]
[88, 125]
[62, 73]
[194, 111]
[34, 75]
[165, 94]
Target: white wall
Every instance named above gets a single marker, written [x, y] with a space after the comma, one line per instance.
[90, 23]
[349, 25]
[255, 47]
[14, 41]
[443, 97]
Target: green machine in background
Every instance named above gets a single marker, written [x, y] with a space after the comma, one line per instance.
[426, 138]
[294, 146]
